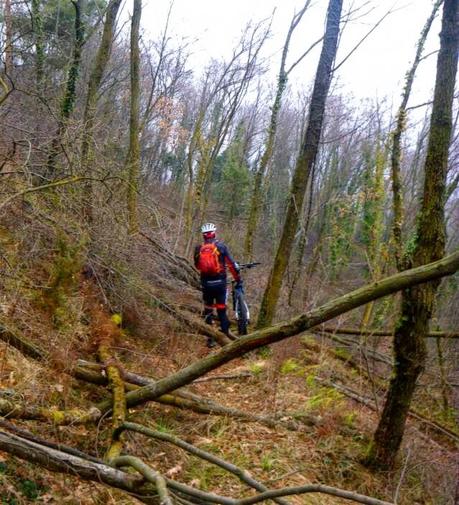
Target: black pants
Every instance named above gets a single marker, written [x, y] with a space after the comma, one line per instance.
[214, 296]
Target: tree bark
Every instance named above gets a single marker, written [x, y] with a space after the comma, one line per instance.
[133, 158]
[304, 164]
[418, 302]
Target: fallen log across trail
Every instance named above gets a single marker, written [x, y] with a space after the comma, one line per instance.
[425, 273]
[186, 400]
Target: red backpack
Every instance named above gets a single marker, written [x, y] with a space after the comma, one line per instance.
[209, 263]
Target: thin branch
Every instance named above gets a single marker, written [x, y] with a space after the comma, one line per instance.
[51, 185]
[313, 488]
[150, 475]
[425, 104]
[301, 58]
[362, 40]
[382, 333]
[243, 475]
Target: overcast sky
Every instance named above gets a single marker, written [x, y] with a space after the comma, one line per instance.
[377, 68]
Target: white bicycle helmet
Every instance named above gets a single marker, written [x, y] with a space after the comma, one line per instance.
[208, 227]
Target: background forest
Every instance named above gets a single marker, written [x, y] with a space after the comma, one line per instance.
[115, 147]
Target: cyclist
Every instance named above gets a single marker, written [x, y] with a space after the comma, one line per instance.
[212, 258]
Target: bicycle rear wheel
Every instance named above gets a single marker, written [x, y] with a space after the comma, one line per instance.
[242, 314]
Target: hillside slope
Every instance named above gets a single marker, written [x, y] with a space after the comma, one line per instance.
[300, 412]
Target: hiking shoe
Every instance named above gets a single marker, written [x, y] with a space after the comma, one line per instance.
[211, 343]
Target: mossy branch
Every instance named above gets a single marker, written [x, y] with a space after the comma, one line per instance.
[116, 384]
[14, 410]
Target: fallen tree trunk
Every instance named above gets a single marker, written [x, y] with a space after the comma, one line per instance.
[62, 462]
[374, 355]
[190, 401]
[105, 333]
[91, 372]
[21, 343]
[299, 324]
[116, 384]
[12, 410]
[380, 333]
[12, 428]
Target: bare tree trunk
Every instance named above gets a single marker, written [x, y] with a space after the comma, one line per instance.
[37, 28]
[133, 159]
[417, 302]
[396, 141]
[304, 163]
[100, 64]
[8, 38]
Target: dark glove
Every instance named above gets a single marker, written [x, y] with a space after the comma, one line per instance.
[239, 284]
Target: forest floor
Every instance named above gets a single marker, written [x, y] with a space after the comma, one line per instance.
[305, 381]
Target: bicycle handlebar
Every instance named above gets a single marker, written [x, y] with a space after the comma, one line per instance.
[243, 266]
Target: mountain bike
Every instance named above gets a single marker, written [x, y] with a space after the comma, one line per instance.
[240, 306]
